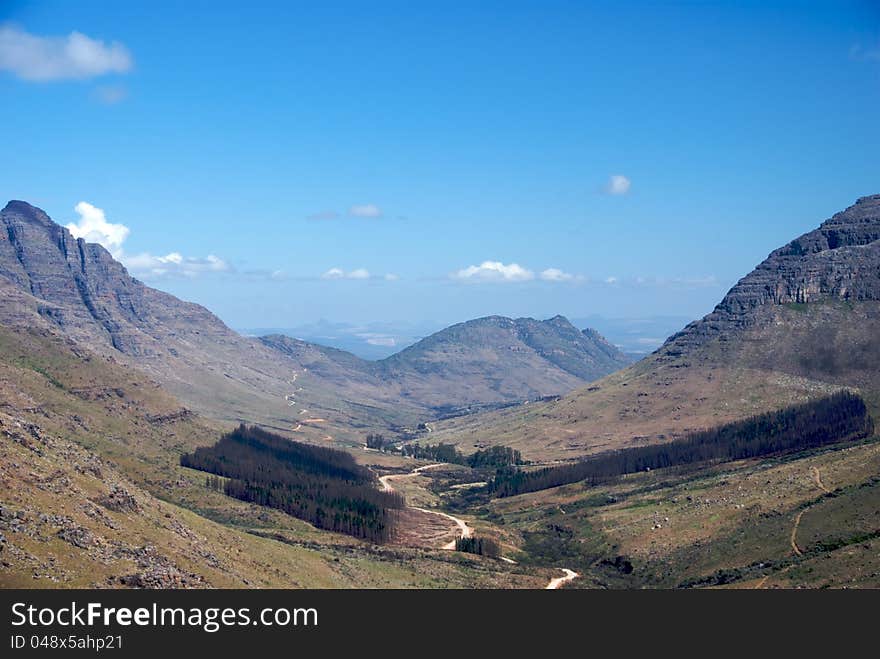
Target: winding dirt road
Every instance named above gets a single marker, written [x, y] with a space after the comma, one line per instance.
[464, 530]
[817, 478]
[794, 530]
[558, 582]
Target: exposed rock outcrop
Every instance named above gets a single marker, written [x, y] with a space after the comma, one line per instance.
[840, 259]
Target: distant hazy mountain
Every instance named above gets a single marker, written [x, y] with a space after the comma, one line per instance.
[485, 361]
[497, 353]
[635, 336]
[374, 340]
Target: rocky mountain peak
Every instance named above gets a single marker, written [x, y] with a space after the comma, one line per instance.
[839, 260]
[27, 213]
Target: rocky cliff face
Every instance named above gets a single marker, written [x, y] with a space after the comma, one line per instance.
[49, 279]
[840, 259]
[81, 289]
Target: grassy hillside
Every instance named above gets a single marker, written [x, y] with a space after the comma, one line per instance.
[91, 493]
[794, 354]
[808, 520]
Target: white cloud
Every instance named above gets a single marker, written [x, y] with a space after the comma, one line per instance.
[365, 210]
[334, 273]
[76, 56]
[360, 273]
[339, 273]
[357, 274]
[93, 227]
[618, 184]
[611, 280]
[494, 271]
[555, 274]
[148, 266]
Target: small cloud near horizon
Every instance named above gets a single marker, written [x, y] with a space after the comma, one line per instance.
[498, 272]
[76, 56]
[618, 185]
[493, 271]
[365, 210]
[174, 264]
[361, 274]
[557, 275]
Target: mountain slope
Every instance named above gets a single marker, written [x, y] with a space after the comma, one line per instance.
[804, 323]
[489, 360]
[52, 281]
[92, 494]
[498, 359]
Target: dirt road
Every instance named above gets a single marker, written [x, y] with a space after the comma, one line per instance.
[818, 478]
[464, 530]
[794, 530]
[386, 480]
[570, 575]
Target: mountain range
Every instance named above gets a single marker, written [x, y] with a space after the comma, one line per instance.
[106, 382]
[53, 281]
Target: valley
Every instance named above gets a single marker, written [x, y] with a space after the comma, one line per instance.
[130, 421]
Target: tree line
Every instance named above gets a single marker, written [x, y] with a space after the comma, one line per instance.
[322, 486]
[840, 417]
[494, 456]
[480, 546]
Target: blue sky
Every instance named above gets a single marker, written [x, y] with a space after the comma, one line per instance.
[281, 163]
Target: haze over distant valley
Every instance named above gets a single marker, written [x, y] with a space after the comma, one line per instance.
[380, 339]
